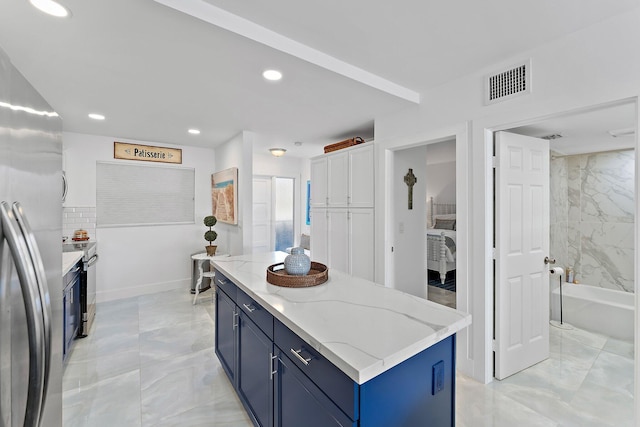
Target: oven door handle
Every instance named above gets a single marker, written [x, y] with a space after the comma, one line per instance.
[91, 261]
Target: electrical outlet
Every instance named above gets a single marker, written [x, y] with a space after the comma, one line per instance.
[401, 227]
[438, 378]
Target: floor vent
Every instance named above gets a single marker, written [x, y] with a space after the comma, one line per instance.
[508, 84]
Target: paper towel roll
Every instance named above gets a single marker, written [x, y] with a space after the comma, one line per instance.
[557, 271]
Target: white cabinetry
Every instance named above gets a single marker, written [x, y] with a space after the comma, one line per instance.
[342, 214]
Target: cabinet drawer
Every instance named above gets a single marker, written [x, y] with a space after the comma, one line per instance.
[223, 283]
[341, 389]
[255, 312]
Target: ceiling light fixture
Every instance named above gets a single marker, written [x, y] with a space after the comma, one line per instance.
[272, 75]
[194, 131]
[96, 116]
[622, 132]
[278, 152]
[51, 7]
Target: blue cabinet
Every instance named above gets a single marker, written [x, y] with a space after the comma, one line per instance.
[300, 402]
[71, 308]
[284, 382]
[256, 369]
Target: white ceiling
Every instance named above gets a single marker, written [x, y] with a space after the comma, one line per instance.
[587, 131]
[155, 71]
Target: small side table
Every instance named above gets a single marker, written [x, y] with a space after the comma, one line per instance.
[201, 258]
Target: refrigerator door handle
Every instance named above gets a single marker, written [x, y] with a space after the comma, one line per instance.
[65, 186]
[43, 289]
[33, 309]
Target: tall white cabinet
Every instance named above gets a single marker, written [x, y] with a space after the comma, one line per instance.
[342, 210]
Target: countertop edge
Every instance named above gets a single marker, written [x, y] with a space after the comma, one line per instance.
[69, 259]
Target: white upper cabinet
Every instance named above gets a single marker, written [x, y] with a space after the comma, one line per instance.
[318, 182]
[338, 194]
[344, 178]
[361, 177]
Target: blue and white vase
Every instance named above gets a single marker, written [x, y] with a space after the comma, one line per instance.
[297, 264]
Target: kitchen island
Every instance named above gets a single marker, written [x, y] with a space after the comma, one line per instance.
[347, 352]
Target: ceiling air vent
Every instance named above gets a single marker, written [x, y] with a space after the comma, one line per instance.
[508, 84]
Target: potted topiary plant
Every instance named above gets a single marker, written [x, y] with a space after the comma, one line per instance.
[210, 236]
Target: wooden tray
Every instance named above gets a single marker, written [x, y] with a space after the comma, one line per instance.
[343, 144]
[276, 275]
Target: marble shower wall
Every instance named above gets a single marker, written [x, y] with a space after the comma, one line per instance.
[592, 217]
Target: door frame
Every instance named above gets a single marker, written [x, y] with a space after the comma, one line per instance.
[489, 232]
[384, 221]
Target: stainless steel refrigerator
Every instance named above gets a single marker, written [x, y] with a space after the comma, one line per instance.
[30, 255]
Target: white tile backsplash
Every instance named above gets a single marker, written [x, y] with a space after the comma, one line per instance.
[75, 218]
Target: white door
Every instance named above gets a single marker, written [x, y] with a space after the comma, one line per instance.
[522, 243]
[262, 230]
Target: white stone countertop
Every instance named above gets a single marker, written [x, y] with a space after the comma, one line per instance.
[361, 327]
[69, 259]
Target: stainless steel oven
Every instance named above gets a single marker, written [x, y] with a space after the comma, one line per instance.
[87, 284]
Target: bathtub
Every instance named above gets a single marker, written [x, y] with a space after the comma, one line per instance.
[595, 309]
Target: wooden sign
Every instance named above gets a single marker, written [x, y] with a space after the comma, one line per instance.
[147, 153]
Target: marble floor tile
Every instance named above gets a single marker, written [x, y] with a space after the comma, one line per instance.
[619, 347]
[149, 361]
[441, 296]
[172, 341]
[111, 402]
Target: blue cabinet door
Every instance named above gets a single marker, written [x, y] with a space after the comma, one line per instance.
[255, 378]
[226, 323]
[299, 402]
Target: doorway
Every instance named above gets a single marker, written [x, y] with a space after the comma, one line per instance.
[273, 213]
[589, 153]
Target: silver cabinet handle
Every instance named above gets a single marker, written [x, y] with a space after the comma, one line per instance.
[235, 317]
[304, 360]
[43, 289]
[250, 308]
[272, 370]
[33, 309]
[92, 261]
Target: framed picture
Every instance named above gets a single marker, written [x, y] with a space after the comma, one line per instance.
[224, 195]
[308, 202]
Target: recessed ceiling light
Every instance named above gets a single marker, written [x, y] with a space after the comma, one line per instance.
[51, 7]
[194, 131]
[273, 75]
[96, 116]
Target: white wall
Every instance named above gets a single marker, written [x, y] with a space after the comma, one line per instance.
[410, 224]
[237, 152]
[138, 260]
[441, 172]
[597, 65]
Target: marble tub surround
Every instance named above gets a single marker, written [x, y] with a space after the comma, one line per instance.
[69, 259]
[592, 217]
[361, 327]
